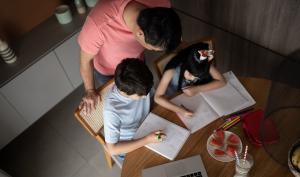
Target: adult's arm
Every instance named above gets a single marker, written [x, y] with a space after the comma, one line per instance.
[91, 97]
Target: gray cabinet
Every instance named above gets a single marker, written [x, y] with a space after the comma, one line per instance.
[68, 54]
[38, 89]
[11, 123]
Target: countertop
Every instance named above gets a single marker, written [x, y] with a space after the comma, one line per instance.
[37, 43]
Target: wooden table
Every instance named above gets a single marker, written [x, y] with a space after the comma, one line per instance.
[264, 165]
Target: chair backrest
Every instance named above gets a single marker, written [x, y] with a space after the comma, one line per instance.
[94, 121]
[163, 60]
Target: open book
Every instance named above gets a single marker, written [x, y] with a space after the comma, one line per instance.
[176, 135]
[210, 105]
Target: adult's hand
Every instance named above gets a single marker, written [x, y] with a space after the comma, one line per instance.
[89, 101]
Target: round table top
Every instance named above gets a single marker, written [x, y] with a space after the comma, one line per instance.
[264, 165]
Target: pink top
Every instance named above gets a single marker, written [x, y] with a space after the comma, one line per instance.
[106, 36]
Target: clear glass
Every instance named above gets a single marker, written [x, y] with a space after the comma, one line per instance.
[243, 166]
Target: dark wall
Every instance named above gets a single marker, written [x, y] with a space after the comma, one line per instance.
[274, 24]
[19, 16]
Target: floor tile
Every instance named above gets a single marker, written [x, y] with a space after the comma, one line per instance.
[99, 163]
[61, 117]
[41, 152]
[87, 171]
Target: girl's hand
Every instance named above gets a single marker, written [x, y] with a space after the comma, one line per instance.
[186, 112]
[190, 91]
[156, 137]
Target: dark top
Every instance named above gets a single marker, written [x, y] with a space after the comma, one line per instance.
[179, 64]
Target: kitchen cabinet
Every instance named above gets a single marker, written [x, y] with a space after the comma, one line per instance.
[38, 88]
[68, 54]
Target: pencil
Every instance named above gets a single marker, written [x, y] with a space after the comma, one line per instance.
[239, 113]
[232, 124]
[229, 122]
[226, 123]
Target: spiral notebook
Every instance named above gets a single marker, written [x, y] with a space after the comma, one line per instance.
[210, 105]
[176, 135]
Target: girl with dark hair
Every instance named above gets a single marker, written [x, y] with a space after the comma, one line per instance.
[190, 71]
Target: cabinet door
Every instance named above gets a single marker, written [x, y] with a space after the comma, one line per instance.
[69, 55]
[11, 123]
[38, 89]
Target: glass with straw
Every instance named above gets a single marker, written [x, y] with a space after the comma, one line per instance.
[243, 163]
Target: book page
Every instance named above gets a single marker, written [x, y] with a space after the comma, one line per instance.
[203, 113]
[176, 135]
[230, 98]
[230, 77]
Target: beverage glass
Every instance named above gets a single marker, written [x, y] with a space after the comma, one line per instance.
[243, 166]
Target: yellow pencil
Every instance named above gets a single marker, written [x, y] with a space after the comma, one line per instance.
[231, 123]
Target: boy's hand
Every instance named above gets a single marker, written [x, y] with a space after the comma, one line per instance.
[156, 137]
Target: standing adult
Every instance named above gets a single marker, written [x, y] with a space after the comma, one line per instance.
[118, 29]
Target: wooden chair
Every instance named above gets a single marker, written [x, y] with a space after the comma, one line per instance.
[162, 61]
[93, 123]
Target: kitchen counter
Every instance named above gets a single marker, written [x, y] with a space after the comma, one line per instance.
[37, 43]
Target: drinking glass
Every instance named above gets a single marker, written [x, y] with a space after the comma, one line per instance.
[243, 165]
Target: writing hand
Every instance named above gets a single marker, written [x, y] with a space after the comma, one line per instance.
[156, 137]
[186, 112]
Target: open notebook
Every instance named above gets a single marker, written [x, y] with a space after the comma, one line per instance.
[176, 135]
[210, 105]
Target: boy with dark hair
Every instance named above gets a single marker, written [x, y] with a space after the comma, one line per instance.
[126, 106]
[117, 29]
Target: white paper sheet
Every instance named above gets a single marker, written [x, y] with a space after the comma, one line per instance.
[208, 106]
[176, 135]
[225, 100]
[203, 113]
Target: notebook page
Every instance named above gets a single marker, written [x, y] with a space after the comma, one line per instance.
[224, 100]
[203, 113]
[230, 77]
[176, 135]
[231, 98]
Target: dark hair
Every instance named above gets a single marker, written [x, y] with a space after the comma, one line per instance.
[161, 27]
[132, 76]
[188, 59]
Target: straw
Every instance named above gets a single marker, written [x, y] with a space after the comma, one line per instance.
[236, 157]
[245, 154]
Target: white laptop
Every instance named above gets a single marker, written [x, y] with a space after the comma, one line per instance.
[189, 167]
